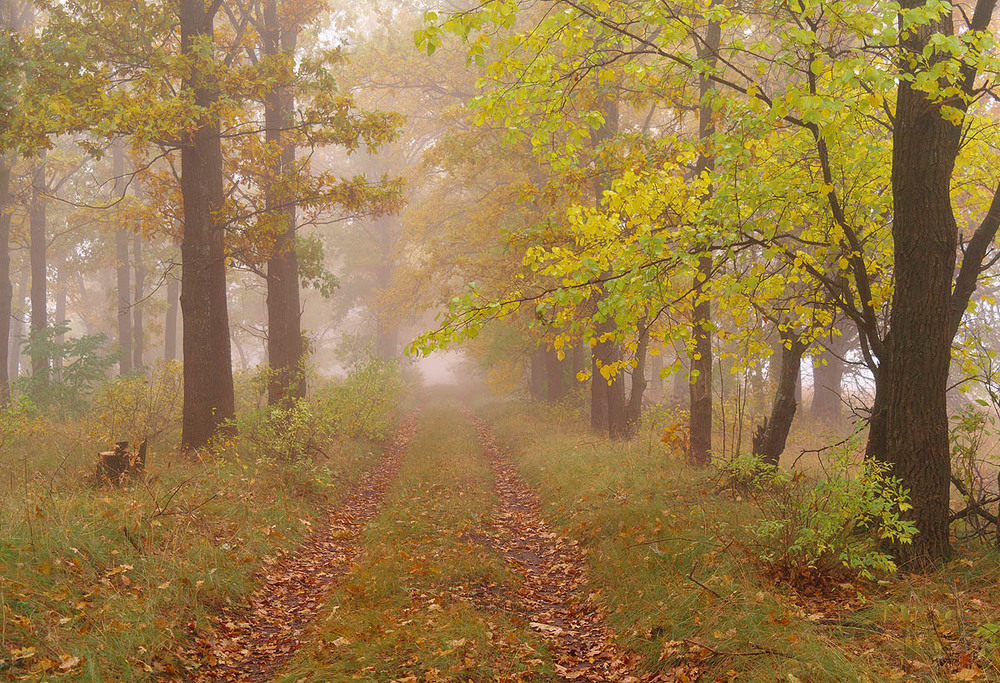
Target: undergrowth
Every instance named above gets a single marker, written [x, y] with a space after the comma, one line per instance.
[661, 541]
[107, 584]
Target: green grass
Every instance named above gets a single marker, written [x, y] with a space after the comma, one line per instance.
[401, 614]
[654, 529]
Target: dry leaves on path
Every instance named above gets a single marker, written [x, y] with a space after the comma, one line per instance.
[252, 644]
[554, 596]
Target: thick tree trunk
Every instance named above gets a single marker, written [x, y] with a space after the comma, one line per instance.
[701, 320]
[284, 330]
[6, 287]
[138, 333]
[170, 321]
[925, 240]
[770, 437]
[208, 370]
[39, 277]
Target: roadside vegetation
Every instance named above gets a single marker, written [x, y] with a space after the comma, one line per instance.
[681, 556]
[109, 583]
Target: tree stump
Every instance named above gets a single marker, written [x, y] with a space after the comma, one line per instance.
[121, 466]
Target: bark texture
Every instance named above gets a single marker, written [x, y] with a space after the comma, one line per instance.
[701, 321]
[208, 372]
[284, 331]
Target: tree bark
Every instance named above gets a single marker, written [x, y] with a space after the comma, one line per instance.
[208, 372]
[284, 325]
[39, 277]
[138, 333]
[6, 287]
[925, 241]
[770, 437]
[701, 319]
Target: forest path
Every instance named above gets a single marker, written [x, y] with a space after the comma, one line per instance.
[553, 592]
[459, 579]
[253, 643]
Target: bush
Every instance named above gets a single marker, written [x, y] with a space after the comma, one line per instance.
[140, 407]
[828, 525]
[305, 433]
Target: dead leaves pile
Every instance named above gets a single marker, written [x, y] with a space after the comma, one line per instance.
[253, 643]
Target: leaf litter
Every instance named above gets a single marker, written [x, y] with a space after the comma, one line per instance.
[554, 596]
[250, 644]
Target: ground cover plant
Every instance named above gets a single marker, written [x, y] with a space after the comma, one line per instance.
[109, 583]
[668, 553]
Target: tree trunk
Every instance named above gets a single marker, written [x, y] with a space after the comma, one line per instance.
[607, 394]
[536, 380]
[769, 438]
[284, 325]
[170, 322]
[553, 376]
[60, 317]
[138, 334]
[124, 303]
[208, 371]
[656, 375]
[122, 261]
[634, 408]
[828, 377]
[39, 276]
[681, 382]
[701, 319]
[925, 241]
[6, 287]
[19, 312]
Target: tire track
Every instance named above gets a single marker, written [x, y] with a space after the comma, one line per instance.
[251, 645]
[553, 596]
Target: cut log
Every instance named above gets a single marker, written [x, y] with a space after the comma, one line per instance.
[121, 466]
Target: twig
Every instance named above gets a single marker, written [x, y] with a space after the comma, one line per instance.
[698, 583]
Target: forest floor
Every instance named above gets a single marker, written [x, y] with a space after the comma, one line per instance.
[505, 543]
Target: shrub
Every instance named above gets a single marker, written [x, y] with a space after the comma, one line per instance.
[828, 525]
[304, 433]
[139, 407]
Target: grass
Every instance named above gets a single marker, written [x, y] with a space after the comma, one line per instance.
[106, 584]
[415, 606]
[657, 537]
